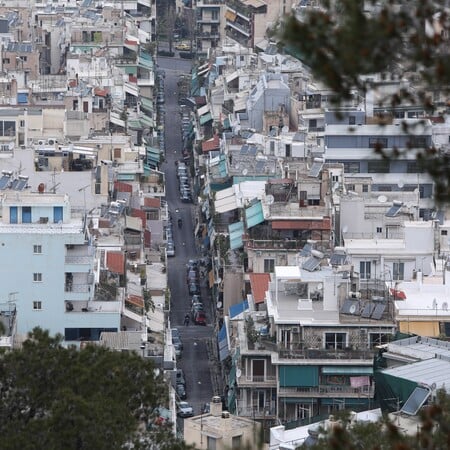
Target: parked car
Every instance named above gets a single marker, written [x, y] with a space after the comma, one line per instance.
[200, 318]
[175, 333]
[186, 198]
[177, 341]
[192, 264]
[192, 276]
[180, 377]
[194, 289]
[183, 46]
[196, 299]
[195, 308]
[178, 348]
[170, 249]
[181, 391]
[184, 409]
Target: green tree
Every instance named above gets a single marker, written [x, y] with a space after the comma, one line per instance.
[342, 44]
[93, 398]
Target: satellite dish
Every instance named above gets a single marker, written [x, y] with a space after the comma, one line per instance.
[219, 305]
[270, 199]
[245, 172]
[238, 373]
[382, 199]
[345, 229]
[319, 286]
[400, 184]
[445, 306]
[352, 309]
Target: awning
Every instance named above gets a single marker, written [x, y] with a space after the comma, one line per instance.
[133, 223]
[205, 119]
[254, 214]
[211, 279]
[259, 283]
[146, 121]
[135, 300]
[350, 370]
[322, 223]
[126, 176]
[225, 200]
[236, 231]
[134, 123]
[146, 103]
[22, 97]
[222, 342]
[230, 15]
[239, 308]
[203, 110]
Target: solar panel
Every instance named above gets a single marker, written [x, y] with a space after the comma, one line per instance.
[252, 150]
[378, 311]
[311, 264]
[338, 259]
[306, 250]
[368, 310]
[315, 169]
[244, 149]
[394, 209]
[20, 185]
[415, 401]
[4, 181]
[350, 307]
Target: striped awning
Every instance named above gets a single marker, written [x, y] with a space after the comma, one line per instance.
[254, 214]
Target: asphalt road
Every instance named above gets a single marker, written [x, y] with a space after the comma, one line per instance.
[194, 360]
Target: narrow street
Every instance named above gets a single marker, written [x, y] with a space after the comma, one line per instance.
[195, 360]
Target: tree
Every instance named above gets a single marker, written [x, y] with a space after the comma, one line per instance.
[343, 44]
[92, 398]
[433, 432]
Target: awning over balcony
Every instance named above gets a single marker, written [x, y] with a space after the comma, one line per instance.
[205, 118]
[236, 231]
[298, 376]
[146, 121]
[230, 15]
[146, 104]
[254, 214]
[347, 370]
[259, 283]
[225, 200]
[222, 341]
[135, 300]
[322, 223]
[235, 310]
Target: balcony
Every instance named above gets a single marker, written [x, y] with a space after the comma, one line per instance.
[78, 263]
[256, 413]
[260, 381]
[326, 354]
[83, 306]
[326, 391]
[285, 244]
[239, 28]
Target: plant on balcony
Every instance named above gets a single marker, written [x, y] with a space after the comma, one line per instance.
[252, 334]
[149, 304]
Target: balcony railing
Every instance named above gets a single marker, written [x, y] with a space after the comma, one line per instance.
[326, 391]
[82, 288]
[326, 354]
[254, 412]
[257, 379]
[275, 244]
[78, 259]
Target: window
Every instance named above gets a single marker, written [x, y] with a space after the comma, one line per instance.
[26, 214]
[236, 442]
[352, 120]
[258, 370]
[365, 188]
[398, 271]
[378, 166]
[117, 153]
[37, 305]
[379, 229]
[364, 270]
[6, 61]
[335, 178]
[351, 167]
[288, 150]
[378, 142]
[418, 141]
[37, 248]
[22, 123]
[378, 339]
[413, 167]
[335, 341]
[351, 187]
[211, 443]
[269, 265]
[37, 276]
[272, 147]
[443, 232]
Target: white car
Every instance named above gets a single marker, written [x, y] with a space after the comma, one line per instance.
[170, 249]
[184, 409]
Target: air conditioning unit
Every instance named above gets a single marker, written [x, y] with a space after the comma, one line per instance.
[52, 141]
[41, 142]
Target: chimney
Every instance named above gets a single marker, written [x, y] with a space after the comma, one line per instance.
[226, 423]
[216, 406]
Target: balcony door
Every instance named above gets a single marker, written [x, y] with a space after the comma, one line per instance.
[258, 368]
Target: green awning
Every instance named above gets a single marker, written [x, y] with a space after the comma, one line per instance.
[146, 121]
[145, 61]
[153, 150]
[298, 376]
[344, 402]
[236, 231]
[349, 370]
[134, 123]
[254, 215]
[205, 118]
[153, 159]
[147, 104]
[226, 123]
[298, 400]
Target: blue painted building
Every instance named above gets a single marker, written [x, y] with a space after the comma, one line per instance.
[48, 263]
